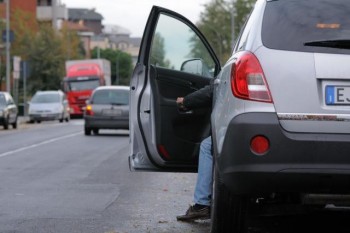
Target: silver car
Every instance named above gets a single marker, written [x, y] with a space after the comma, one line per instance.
[280, 122]
[107, 108]
[47, 106]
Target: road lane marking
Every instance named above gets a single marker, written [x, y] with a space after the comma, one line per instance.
[38, 144]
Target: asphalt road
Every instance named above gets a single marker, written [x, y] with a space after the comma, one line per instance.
[53, 178]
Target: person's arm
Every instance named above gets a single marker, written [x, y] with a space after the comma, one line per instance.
[200, 98]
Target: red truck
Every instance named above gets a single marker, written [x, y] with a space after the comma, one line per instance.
[82, 77]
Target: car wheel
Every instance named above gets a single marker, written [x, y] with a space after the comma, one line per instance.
[87, 131]
[14, 124]
[95, 131]
[61, 119]
[38, 121]
[228, 212]
[6, 123]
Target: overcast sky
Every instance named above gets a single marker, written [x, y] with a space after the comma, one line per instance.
[133, 14]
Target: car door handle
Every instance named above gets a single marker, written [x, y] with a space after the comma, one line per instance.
[187, 112]
[217, 81]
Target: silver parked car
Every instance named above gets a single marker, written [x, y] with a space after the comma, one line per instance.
[280, 122]
[8, 110]
[48, 105]
[107, 108]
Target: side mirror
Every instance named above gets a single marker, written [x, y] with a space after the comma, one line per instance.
[87, 102]
[196, 66]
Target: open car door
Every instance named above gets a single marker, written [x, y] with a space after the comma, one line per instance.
[174, 60]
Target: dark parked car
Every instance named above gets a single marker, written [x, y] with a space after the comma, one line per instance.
[107, 108]
[280, 122]
[8, 110]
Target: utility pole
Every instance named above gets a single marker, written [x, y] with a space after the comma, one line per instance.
[117, 69]
[8, 87]
[232, 10]
[54, 15]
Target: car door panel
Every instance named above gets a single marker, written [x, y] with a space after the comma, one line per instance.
[175, 128]
[162, 137]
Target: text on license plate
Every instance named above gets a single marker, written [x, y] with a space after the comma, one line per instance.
[337, 95]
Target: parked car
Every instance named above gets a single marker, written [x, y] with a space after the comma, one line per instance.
[280, 122]
[48, 105]
[8, 110]
[107, 108]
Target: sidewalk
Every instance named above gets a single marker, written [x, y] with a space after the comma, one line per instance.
[22, 119]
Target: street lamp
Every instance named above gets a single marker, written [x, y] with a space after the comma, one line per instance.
[117, 69]
[8, 88]
[232, 10]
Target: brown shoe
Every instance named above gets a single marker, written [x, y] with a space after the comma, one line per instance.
[195, 214]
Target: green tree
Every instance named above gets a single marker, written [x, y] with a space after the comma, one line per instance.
[216, 23]
[121, 64]
[46, 59]
[158, 52]
[71, 44]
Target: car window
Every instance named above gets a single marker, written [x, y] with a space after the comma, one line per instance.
[117, 97]
[10, 100]
[175, 46]
[2, 99]
[321, 26]
[46, 98]
[82, 85]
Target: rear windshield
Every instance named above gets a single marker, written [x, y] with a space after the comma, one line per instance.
[115, 97]
[321, 26]
[46, 98]
[80, 85]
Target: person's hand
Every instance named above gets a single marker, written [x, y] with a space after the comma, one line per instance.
[180, 103]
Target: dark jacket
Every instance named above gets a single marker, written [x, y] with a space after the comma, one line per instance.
[200, 98]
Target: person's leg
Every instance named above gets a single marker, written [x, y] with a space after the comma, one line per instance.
[203, 189]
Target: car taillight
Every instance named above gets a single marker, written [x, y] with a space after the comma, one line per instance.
[248, 79]
[88, 110]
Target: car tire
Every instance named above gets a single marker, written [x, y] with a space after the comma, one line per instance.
[6, 123]
[38, 122]
[95, 131]
[87, 131]
[228, 211]
[14, 124]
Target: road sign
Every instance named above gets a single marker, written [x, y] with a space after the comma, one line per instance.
[11, 36]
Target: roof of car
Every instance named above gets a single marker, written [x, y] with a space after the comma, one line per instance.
[49, 92]
[117, 87]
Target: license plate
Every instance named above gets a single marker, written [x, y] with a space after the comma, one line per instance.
[337, 95]
[112, 112]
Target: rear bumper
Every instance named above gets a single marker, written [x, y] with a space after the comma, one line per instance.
[295, 162]
[106, 123]
[46, 117]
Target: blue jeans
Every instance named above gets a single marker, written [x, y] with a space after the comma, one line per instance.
[203, 189]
